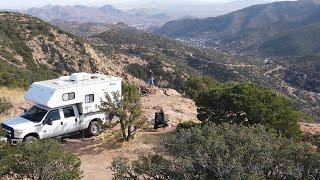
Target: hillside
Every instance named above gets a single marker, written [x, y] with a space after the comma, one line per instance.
[297, 42]
[303, 72]
[244, 28]
[31, 50]
[170, 59]
[172, 62]
[80, 28]
[105, 14]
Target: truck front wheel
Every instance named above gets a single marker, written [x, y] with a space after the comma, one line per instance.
[94, 128]
[30, 139]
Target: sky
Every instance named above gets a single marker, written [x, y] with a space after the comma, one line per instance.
[122, 4]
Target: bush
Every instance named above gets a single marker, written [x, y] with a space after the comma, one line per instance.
[249, 104]
[4, 105]
[186, 125]
[149, 167]
[40, 160]
[138, 71]
[226, 151]
[196, 85]
[127, 108]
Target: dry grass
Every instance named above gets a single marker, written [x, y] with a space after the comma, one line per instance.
[16, 97]
[13, 95]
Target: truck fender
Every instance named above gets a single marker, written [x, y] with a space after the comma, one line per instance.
[32, 134]
[98, 120]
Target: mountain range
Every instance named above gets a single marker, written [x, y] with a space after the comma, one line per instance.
[199, 9]
[257, 29]
[139, 18]
[142, 15]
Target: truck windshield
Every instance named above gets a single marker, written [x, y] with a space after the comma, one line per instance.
[35, 114]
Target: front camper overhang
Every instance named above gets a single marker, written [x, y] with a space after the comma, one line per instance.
[40, 94]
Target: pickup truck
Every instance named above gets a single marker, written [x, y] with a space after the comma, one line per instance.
[63, 106]
[40, 122]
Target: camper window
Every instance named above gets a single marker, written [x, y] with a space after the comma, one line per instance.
[68, 96]
[68, 112]
[89, 98]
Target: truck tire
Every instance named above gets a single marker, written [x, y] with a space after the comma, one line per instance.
[94, 129]
[30, 139]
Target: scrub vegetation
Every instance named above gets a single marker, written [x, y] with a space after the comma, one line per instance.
[224, 151]
[38, 160]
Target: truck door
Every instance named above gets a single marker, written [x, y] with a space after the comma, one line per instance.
[71, 120]
[48, 131]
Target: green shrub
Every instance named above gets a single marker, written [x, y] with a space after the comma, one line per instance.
[195, 85]
[14, 77]
[226, 151]
[127, 108]
[152, 166]
[249, 104]
[186, 125]
[40, 160]
[138, 71]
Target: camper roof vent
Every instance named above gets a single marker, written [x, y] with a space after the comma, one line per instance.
[79, 76]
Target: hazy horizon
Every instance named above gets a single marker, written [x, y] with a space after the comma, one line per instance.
[121, 4]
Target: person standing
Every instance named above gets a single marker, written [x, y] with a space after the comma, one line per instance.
[151, 78]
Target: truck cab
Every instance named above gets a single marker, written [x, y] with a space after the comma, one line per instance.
[41, 122]
[63, 106]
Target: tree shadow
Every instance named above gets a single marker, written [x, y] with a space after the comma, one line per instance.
[84, 145]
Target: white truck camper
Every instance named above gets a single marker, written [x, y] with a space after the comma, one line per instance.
[62, 107]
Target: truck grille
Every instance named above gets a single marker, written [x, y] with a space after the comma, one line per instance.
[8, 130]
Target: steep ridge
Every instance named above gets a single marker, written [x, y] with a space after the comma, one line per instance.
[31, 50]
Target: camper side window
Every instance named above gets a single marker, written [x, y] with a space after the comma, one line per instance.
[89, 98]
[68, 96]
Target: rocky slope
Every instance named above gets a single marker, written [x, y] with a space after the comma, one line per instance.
[31, 50]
